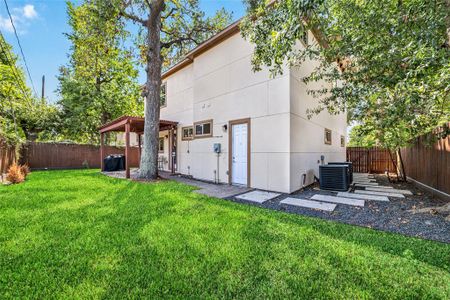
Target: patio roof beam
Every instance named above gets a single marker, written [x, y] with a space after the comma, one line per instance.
[114, 126]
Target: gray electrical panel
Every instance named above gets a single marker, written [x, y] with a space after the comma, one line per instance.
[217, 148]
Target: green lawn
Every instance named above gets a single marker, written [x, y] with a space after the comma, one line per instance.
[79, 234]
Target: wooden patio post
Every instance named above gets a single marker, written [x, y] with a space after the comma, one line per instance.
[102, 151]
[127, 149]
[171, 164]
[140, 149]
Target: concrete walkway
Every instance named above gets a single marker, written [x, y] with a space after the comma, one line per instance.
[206, 188]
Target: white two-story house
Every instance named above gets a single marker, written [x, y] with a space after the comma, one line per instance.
[239, 127]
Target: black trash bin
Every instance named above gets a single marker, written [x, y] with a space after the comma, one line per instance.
[114, 162]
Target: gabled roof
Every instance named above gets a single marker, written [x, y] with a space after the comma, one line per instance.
[229, 31]
[206, 45]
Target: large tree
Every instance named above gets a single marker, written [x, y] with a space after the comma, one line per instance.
[22, 116]
[171, 28]
[100, 82]
[387, 62]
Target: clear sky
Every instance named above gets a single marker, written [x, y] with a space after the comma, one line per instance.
[41, 26]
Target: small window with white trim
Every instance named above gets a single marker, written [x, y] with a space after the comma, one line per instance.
[161, 144]
[342, 141]
[187, 133]
[203, 129]
[327, 136]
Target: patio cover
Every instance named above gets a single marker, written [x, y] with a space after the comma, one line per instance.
[129, 124]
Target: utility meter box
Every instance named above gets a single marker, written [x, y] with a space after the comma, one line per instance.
[216, 148]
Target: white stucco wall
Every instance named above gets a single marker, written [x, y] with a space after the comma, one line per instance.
[220, 85]
[307, 135]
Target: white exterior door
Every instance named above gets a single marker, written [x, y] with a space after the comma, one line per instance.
[239, 154]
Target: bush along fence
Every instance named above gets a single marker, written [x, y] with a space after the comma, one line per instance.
[41, 156]
[7, 156]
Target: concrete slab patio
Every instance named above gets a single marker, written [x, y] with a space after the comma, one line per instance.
[205, 188]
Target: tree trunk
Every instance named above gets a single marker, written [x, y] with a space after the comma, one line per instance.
[402, 166]
[394, 162]
[149, 157]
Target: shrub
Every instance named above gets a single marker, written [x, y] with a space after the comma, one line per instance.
[14, 174]
[25, 169]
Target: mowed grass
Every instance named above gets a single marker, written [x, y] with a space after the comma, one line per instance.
[79, 234]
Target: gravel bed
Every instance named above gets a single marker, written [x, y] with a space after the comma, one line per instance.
[395, 216]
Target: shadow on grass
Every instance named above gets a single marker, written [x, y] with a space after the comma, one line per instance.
[129, 239]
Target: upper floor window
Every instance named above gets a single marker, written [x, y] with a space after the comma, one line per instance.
[327, 136]
[203, 129]
[342, 141]
[163, 97]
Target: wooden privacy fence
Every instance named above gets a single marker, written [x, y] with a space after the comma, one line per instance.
[69, 156]
[7, 157]
[370, 160]
[429, 164]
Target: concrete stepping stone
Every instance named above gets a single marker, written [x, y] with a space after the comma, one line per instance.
[364, 180]
[258, 196]
[379, 193]
[378, 189]
[309, 204]
[366, 184]
[376, 186]
[339, 200]
[363, 197]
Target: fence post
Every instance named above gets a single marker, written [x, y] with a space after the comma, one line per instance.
[127, 150]
[102, 142]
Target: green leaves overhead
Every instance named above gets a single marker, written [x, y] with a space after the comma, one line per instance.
[183, 26]
[100, 82]
[21, 115]
[387, 63]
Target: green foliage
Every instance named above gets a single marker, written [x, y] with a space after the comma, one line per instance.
[100, 82]
[361, 136]
[187, 28]
[184, 26]
[79, 234]
[21, 115]
[386, 62]
[171, 28]
[14, 95]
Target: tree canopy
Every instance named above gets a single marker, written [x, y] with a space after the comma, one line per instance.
[387, 62]
[100, 83]
[22, 116]
[170, 29]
